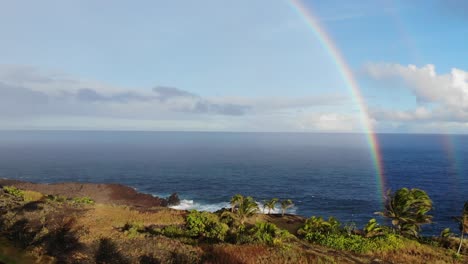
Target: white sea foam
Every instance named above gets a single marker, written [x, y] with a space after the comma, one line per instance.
[191, 205]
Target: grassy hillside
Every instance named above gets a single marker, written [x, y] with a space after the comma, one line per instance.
[50, 229]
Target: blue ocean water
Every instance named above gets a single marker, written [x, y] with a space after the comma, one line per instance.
[324, 174]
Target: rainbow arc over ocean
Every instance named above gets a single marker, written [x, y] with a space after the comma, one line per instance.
[329, 46]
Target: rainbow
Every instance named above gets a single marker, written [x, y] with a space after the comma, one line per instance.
[329, 46]
[449, 145]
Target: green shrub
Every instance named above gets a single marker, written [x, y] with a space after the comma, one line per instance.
[205, 225]
[316, 227]
[133, 230]
[243, 238]
[328, 233]
[82, 200]
[14, 191]
[373, 229]
[173, 231]
[361, 244]
[446, 233]
[228, 218]
[456, 256]
[269, 234]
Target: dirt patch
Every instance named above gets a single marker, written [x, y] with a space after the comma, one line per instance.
[100, 193]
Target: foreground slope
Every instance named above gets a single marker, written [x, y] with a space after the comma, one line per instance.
[54, 228]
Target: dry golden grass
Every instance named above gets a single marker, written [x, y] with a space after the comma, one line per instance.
[236, 254]
[253, 254]
[32, 196]
[102, 220]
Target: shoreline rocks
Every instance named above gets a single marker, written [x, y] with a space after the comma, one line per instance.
[173, 200]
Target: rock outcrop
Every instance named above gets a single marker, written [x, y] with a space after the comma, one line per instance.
[173, 200]
[101, 193]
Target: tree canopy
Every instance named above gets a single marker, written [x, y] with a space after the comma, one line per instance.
[407, 209]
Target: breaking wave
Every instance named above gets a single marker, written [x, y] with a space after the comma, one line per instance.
[191, 205]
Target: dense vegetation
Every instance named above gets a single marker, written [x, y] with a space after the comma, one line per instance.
[76, 230]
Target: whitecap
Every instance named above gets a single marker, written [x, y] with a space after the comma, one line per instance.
[191, 205]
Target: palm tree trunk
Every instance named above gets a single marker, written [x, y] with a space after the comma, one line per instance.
[461, 241]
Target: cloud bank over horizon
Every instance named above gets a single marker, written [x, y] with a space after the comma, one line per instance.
[34, 99]
[31, 98]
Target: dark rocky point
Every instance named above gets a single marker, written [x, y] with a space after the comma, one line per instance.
[173, 200]
[101, 193]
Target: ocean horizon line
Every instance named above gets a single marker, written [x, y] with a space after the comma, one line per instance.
[226, 132]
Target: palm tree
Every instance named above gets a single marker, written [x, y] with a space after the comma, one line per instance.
[247, 208]
[271, 204]
[463, 222]
[373, 229]
[407, 209]
[235, 201]
[285, 204]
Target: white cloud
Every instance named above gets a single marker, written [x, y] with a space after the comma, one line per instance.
[417, 114]
[440, 97]
[34, 99]
[51, 82]
[449, 89]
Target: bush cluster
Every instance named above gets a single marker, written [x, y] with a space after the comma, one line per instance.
[173, 231]
[328, 233]
[269, 234]
[133, 230]
[360, 244]
[206, 225]
[82, 200]
[14, 191]
[26, 195]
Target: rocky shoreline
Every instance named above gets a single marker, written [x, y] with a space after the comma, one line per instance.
[109, 193]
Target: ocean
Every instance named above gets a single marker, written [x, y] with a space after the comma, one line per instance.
[324, 174]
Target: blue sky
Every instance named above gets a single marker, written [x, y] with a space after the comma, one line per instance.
[247, 65]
